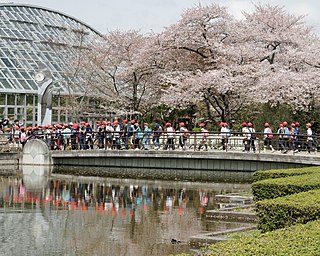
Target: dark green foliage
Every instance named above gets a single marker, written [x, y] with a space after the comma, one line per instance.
[289, 222]
[273, 174]
[273, 188]
[293, 198]
[297, 240]
[286, 211]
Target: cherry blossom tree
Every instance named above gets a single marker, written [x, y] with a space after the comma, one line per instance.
[209, 58]
[286, 49]
[207, 63]
[227, 64]
[126, 69]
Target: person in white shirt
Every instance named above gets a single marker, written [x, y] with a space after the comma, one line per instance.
[225, 134]
[252, 133]
[204, 137]
[244, 131]
[310, 138]
[170, 133]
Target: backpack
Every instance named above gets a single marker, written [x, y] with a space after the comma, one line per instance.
[269, 135]
[148, 132]
[23, 137]
[314, 136]
[252, 133]
[158, 130]
[130, 131]
[287, 133]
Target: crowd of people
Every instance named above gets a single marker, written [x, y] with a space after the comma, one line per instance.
[289, 137]
[126, 134]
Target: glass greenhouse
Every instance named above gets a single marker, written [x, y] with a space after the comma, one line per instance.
[31, 37]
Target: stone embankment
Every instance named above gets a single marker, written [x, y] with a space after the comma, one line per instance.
[232, 208]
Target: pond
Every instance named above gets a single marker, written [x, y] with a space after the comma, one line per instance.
[57, 214]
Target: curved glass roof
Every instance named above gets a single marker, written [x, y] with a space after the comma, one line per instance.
[32, 36]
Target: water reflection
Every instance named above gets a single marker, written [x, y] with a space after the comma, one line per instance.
[68, 215]
[35, 177]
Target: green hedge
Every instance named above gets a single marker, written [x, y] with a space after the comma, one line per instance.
[273, 188]
[300, 239]
[273, 174]
[283, 198]
[286, 211]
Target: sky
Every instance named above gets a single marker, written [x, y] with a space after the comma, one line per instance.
[155, 15]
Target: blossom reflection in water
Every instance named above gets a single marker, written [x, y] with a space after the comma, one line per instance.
[105, 216]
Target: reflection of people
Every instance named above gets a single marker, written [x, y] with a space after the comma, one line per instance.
[35, 178]
[169, 202]
[203, 198]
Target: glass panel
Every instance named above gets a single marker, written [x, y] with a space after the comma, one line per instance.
[25, 64]
[15, 73]
[62, 118]
[63, 101]
[55, 115]
[10, 111]
[24, 84]
[8, 31]
[20, 113]
[3, 99]
[7, 62]
[35, 110]
[20, 100]
[32, 84]
[2, 112]
[11, 100]
[2, 33]
[16, 84]
[29, 114]
[55, 101]
[25, 74]
[8, 74]
[24, 54]
[5, 83]
[30, 101]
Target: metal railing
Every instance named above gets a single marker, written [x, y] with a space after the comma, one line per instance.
[195, 141]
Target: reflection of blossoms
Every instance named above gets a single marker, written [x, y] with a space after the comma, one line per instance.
[169, 202]
[114, 199]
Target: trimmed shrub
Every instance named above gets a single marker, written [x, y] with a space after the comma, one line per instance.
[273, 174]
[286, 211]
[273, 188]
[300, 239]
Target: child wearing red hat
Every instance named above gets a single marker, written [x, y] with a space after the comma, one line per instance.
[183, 135]
[170, 133]
[204, 136]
